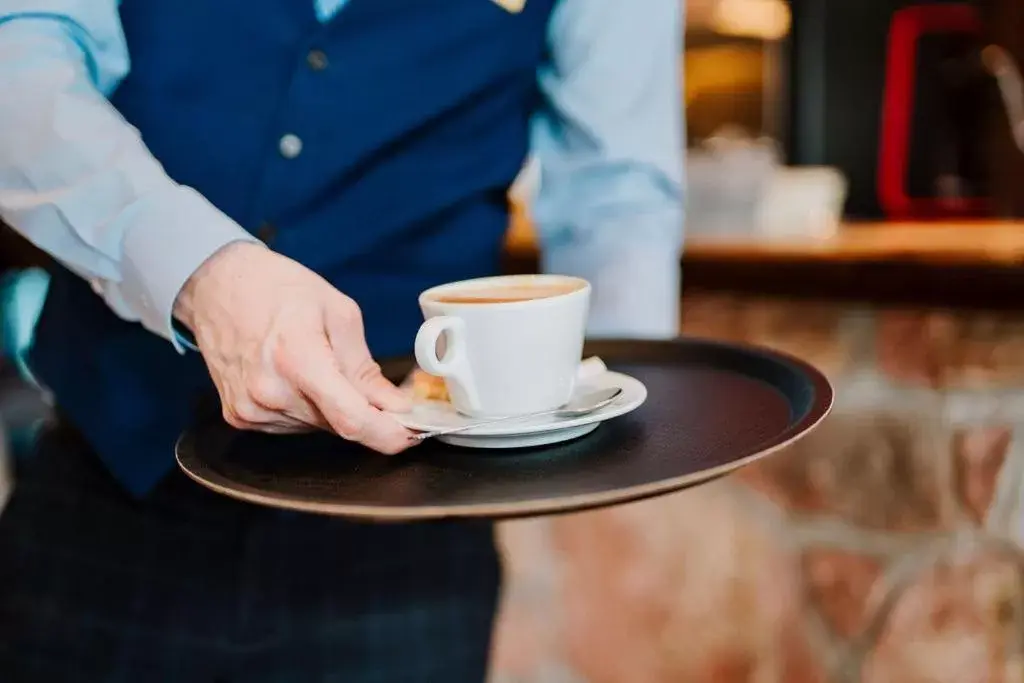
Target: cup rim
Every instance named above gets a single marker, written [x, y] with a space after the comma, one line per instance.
[428, 296]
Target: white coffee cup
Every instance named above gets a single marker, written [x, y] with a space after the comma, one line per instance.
[506, 345]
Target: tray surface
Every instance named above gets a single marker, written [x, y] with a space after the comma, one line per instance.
[711, 409]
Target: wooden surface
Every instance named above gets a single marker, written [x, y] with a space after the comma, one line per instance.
[992, 245]
[983, 244]
[945, 265]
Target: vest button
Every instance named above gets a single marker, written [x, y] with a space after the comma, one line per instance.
[317, 60]
[290, 146]
[266, 233]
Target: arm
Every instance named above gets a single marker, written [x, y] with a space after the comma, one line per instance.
[76, 179]
[609, 143]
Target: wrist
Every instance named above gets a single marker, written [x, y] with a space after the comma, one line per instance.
[207, 279]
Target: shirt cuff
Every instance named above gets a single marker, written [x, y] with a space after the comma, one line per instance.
[635, 288]
[171, 234]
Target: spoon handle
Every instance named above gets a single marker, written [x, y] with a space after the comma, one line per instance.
[422, 436]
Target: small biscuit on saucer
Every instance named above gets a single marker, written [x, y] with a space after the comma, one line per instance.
[426, 387]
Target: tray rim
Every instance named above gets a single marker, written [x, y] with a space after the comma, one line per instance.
[820, 407]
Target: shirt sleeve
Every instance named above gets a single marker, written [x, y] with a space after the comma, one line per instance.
[76, 179]
[609, 142]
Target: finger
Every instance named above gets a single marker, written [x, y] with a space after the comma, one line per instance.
[270, 423]
[347, 411]
[278, 398]
[353, 418]
[379, 391]
[282, 429]
[345, 334]
[256, 406]
[310, 417]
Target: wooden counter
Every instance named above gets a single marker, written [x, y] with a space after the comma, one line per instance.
[974, 264]
[994, 243]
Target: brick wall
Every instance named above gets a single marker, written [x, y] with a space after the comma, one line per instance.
[882, 548]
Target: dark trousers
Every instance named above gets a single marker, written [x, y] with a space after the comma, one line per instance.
[189, 587]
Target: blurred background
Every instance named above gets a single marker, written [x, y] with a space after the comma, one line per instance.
[856, 198]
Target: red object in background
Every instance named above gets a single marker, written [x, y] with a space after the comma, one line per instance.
[907, 28]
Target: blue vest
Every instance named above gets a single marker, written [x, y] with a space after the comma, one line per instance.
[411, 138]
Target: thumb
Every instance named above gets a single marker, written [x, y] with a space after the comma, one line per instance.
[345, 333]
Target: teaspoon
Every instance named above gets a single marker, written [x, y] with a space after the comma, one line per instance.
[577, 407]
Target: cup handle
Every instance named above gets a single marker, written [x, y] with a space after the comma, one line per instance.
[454, 367]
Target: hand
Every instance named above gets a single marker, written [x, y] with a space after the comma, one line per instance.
[286, 350]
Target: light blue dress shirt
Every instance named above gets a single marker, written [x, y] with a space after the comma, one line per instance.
[78, 181]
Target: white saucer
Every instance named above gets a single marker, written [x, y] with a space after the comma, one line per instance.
[429, 416]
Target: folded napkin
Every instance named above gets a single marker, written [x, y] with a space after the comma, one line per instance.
[590, 368]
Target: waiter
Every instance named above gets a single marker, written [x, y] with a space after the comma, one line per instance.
[255, 193]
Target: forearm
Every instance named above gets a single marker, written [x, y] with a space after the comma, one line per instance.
[609, 142]
[620, 226]
[636, 282]
[77, 181]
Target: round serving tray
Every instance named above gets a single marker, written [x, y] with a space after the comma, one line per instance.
[711, 409]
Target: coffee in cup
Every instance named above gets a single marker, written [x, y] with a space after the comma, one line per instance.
[506, 345]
